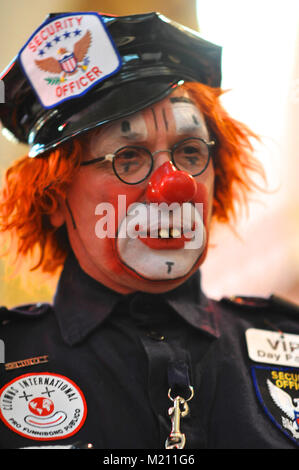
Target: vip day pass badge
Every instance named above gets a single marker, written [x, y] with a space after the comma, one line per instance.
[43, 406]
[273, 347]
[68, 55]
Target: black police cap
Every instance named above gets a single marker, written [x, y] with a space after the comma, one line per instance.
[155, 55]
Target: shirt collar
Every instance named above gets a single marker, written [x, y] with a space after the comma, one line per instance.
[81, 303]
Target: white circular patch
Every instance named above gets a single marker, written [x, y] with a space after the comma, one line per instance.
[43, 406]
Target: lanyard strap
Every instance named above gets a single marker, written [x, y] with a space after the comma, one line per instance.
[180, 392]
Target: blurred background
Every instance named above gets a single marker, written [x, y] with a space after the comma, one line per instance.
[260, 254]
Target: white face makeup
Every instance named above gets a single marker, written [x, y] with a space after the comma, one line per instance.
[188, 118]
[178, 256]
[142, 263]
[128, 131]
[157, 260]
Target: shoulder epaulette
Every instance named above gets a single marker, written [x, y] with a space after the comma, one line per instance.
[274, 301]
[241, 301]
[282, 304]
[24, 311]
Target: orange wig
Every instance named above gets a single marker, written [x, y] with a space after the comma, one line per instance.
[32, 186]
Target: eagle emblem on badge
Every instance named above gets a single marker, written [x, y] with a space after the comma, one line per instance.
[67, 56]
[70, 62]
[277, 389]
[286, 403]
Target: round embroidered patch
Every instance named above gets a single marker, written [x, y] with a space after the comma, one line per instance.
[43, 406]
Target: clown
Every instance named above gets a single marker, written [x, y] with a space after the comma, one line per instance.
[132, 157]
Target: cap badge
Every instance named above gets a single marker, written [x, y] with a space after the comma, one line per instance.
[67, 55]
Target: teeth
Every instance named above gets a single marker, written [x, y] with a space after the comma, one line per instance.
[175, 233]
[163, 233]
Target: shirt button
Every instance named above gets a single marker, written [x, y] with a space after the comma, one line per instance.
[155, 335]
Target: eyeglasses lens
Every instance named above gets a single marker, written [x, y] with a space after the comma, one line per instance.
[191, 156]
[132, 164]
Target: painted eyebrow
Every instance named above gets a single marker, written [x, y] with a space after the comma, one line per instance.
[129, 133]
[181, 99]
[194, 124]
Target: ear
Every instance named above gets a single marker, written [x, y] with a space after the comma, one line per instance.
[57, 219]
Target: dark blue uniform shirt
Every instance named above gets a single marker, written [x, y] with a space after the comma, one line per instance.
[96, 367]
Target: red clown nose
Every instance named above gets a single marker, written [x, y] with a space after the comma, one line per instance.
[168, 184]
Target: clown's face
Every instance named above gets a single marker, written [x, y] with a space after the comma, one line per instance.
[124, 235]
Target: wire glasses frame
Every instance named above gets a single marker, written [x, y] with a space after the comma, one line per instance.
[149, 157]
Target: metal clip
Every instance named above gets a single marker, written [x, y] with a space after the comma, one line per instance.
[177, 439]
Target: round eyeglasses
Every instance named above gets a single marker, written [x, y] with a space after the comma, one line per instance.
[133, 164]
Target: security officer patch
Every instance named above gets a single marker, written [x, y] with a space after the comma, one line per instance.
[68, 55]
[278, 392]
[43, 406]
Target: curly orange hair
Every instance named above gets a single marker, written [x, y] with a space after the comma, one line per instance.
[32, 186]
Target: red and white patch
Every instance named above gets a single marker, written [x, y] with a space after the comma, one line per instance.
[43, 406]
[68, 55]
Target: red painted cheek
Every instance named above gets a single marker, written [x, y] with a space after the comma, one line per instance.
[128, 196]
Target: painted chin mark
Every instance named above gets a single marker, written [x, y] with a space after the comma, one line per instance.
[169, 266]
[156, 265]
[165, 272]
